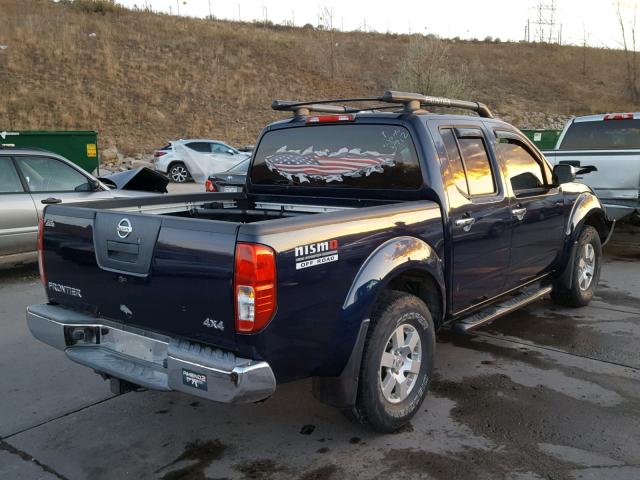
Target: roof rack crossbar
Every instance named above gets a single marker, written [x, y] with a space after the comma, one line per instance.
[411, 102]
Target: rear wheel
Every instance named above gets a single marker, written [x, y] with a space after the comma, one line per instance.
[587, 258]
[178, 173]
[397, 362]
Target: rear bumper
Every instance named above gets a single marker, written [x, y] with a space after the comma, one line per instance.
[150, 360]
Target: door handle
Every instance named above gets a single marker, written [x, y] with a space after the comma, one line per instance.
[465, 223]
[50, 201]
[519, 213]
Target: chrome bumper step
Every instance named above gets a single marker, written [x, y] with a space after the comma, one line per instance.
[493, 312]
[151, 360]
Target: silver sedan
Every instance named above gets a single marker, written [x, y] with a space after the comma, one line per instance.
[29, 179]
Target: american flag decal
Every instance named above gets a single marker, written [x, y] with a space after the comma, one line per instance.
[330, 167]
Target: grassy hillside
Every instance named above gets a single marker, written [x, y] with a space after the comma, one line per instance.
[144, 78]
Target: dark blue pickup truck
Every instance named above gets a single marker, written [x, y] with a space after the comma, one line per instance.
[361, 232]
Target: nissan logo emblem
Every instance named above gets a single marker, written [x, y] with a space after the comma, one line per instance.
[124, 228]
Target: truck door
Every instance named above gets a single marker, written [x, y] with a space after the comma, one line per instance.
[18, 218]
[479, 216]
[537, 209]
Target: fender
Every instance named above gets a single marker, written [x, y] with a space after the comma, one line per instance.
[389, 260]
[587, 208]
[586, 205]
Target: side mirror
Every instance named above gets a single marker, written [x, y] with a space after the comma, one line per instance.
[565, 173]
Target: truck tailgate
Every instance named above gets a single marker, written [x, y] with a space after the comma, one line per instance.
[165, 274]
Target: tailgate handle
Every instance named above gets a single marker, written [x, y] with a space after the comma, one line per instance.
[125, 252]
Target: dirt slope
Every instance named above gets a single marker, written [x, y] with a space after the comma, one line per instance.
[141, 78]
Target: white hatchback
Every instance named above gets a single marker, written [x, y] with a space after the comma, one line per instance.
[197, 159]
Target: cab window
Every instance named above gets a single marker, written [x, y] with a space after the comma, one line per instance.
[524, 171]
[44, 174]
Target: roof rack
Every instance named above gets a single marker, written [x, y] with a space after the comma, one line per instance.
[411, 103]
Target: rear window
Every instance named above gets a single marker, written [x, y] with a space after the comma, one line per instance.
[606, 134]
[353, 156]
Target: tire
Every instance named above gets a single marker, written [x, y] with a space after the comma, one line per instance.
[178, 173]
[396, 319]
[587, 261]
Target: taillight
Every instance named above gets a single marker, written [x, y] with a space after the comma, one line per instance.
[43, 273]
[159, 153]
[331, 118]
[619, 116]
[254, 286]
[209, 186]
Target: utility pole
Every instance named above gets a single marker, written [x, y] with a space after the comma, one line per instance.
[178, 5]
[210, 15]
[239, 17]
[293, 18]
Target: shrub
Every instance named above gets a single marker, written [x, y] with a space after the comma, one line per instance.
[424, 69]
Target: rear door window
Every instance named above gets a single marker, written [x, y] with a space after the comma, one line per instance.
[604, 134]
[455, 160]
[9, 180]
[354, 156]
[202, 147]
[477, 166]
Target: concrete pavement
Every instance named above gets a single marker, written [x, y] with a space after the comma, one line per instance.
[545, 393]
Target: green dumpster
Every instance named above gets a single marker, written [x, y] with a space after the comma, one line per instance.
[543, 139]
[81, 146]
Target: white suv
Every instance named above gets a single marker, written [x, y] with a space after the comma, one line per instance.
[197, 159]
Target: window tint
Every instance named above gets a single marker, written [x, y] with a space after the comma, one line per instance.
[476, 161]
[45, 174]
[9, 180]
[602, 134]
[455, 160]
[202, 147]
[523, 170]
[334, 156]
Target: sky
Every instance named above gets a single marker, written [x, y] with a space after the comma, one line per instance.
[505, 19]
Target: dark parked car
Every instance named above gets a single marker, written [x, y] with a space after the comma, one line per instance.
[233, 180]
[359, 235]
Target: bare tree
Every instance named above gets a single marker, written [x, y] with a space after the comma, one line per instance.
[629, 45]
[325, 16]
[425, 69]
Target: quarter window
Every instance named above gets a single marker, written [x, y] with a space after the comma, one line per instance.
[523, 170]
[477, 166]
[9, 180]
[45, 174]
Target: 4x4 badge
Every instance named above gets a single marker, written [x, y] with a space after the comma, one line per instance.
[217, 324]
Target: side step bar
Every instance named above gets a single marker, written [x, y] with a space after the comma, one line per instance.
[494, 312]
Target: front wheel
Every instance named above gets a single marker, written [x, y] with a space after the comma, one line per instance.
[178, 173]
[587, 259]
[397, 364]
